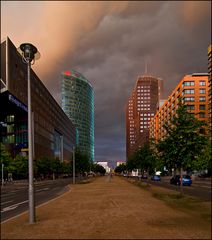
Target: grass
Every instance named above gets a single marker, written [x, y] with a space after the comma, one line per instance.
[193, 206]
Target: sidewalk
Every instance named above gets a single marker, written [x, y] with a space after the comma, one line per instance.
[106, 209]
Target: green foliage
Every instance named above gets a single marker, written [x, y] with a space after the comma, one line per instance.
[20, 167]
[121, 168]
[47, 167]
[5, 157]
[144, 159]
[184, 141]
[98, 169]
[204, 160]
[82, 163]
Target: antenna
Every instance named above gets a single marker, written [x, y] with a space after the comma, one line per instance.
[146, 65]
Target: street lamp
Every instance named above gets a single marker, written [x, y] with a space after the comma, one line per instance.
[73, 165]
[29, 53]
[2, 174]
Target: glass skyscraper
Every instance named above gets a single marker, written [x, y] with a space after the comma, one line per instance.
[78, 104]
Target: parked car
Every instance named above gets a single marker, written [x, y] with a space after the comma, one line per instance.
[177, 180]
[156, 178]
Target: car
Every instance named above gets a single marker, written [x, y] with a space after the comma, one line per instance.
[176, 180]
[156, 178]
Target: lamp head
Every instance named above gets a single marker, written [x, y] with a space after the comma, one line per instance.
[29, 51]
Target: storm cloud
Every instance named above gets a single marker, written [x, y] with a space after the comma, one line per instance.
[109, 42]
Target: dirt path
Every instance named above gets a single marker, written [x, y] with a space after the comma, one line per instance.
[106, 209]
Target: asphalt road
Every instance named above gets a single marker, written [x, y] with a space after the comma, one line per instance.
[14, 197]
[200, 188]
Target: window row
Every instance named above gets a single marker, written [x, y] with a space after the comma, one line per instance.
[192, 107]
[192, 83]
[192, 91]
[192, 99]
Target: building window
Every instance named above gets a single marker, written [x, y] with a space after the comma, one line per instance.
[202, 83]
[202, 91]
[188, 91]
[10, 118]
[188, 83]
[189, 99]
[202, 99]
[190, 107]
[202, 107]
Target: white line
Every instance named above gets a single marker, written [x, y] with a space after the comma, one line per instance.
[36, 207]
[43, 189]
[12, 206]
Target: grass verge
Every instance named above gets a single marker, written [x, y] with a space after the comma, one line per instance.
[192, 205]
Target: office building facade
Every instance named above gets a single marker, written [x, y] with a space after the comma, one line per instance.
[210, 90]
[141, 107]
[193, 90]
[78, 103]
[54, 134]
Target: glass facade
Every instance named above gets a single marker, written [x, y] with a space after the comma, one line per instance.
[53, 132]
[78, 104]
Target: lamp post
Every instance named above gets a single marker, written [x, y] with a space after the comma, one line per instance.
[2, 174]
[73, 165]
[29, 54]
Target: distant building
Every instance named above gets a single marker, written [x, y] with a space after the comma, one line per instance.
[78, 104]
[120, 162]
[53, 132]
[193, 89]
[210, 90]
[104, 165]
[141, 107]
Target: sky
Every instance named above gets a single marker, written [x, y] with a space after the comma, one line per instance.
[109, 43]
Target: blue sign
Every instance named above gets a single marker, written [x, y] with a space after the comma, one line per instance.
[17, 103]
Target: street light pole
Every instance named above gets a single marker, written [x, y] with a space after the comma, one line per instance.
[2, 174]
[31, 175]
[73, 165]
[29, 52]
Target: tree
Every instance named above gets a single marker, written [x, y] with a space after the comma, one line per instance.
[121, 168]
[20, 167]
[204, 160]
[98, 169]
[143, 159]
[6, 159]
[184, 141]
[82, 163]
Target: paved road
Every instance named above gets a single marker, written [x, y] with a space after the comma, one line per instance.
[14, 197]
[200, 187]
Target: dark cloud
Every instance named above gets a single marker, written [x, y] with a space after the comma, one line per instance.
[108, 42]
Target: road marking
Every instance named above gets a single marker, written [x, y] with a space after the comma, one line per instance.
[12, 206]
[43, 189]
[40, 205]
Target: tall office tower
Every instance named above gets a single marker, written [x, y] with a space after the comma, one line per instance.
[193, 89]
[141, 107]
[78, 104]
[210, 90]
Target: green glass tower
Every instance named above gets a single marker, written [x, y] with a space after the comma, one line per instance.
[78, 104]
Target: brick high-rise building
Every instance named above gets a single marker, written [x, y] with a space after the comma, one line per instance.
[141, 107]
[193, 89]
[210, 90]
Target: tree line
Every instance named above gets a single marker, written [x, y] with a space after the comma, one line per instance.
[186, 146]
[47, 167]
